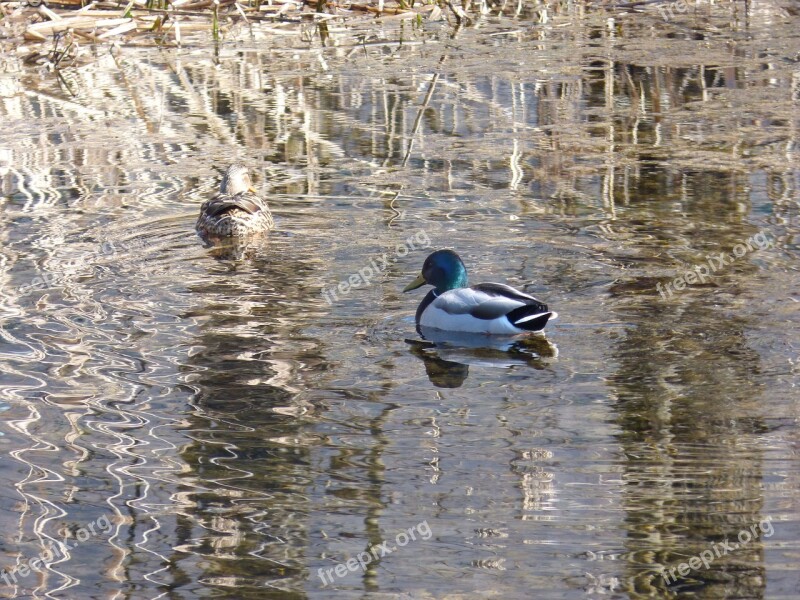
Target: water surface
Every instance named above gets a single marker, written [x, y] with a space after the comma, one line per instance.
[200, 422]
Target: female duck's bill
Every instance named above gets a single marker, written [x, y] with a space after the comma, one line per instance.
[237, 210]
[486, 308]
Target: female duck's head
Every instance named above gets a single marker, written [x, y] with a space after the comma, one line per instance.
[444, 270]
[236, 181]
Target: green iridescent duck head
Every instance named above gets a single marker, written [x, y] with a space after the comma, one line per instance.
[444, 270]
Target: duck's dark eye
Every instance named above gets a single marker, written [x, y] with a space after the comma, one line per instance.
[433, 273]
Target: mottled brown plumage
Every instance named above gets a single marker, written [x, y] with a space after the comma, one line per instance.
[236, 211]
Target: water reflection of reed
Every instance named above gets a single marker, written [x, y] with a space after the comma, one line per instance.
[640, 94]
[250, 445]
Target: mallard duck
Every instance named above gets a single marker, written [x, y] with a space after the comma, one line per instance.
[487, 308]
[237, 210]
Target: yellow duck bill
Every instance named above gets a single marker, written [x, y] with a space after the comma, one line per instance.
[418, 282]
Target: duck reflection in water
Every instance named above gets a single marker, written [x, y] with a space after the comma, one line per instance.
[448, 355]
